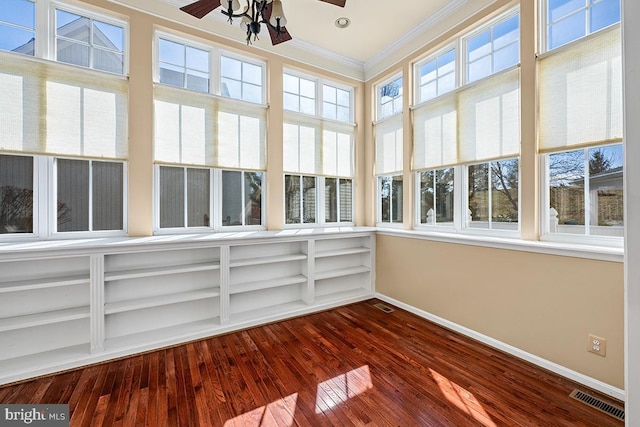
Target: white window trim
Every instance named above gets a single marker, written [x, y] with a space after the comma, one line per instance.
[322, 201]
[301, 224]
[217, 226]
[377, 99]
[564, 238]
[52, 223]
[50, 8]
[505, 16]
[217, 72]
[439, 227]
[379, 222]
[453, 45]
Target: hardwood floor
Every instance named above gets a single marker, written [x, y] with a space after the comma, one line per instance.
[353, 365]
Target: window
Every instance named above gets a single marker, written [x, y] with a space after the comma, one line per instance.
[493, 195]
[585, 191]
[241, 198]
[300, 199]
[299, 94]
[569, 20]
[89, 42]
[241, 79]
[184, 197]
[318, 151]
[389, 98]
[493, 49]
[436, 190]
[17, 26]
[390, 190]
[16, 194]
[436, 76]
[183, 66]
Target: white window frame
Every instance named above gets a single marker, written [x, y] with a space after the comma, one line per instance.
[378, 99]
[379, 222]
[53, 202]
[545, 234]
[319, 194]
[456, 225]
[86, 12]
[249, 60]
[503, 17]
[217, 208]
[159, 34]
[40, 199]
[543, 7]
[456, 46]
[322, 197]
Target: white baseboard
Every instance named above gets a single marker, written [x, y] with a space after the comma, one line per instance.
[514, 351]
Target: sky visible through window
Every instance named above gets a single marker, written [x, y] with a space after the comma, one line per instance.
[568, 20]
[17, 24]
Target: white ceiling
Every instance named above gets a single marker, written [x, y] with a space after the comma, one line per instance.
[381, 31]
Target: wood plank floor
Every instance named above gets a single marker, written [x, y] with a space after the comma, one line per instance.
[354, 365]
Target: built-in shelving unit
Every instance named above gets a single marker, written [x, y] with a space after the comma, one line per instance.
[76, 303]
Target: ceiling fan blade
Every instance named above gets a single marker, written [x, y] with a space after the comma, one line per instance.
[200, 8]
[340, 3]
[276, 38]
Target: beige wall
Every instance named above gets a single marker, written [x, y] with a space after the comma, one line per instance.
[543, 304]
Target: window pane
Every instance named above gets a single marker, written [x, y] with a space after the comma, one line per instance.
[172, 75]
[110, 61]
[396, 199]
[197, 81]
[292, 199]
[479, 195]
[17, 40]
[73, 195]
[252, 73]
[73, 53]
[427, 211]
[479, 46]
[108, 36]
[604, 13]
[18, 12]
[251, 93]
[331, 199]
[73, 26]
[16, 194]
[385, 199]
[506, 57]
[291, 102]
[172, 52]
[561, 8]
[344, 114]
[567, 30]
[198, 197]
[329, 94]
[479, 69]
[307, 88]
[197, 59]
[307, 105]
[308, 199]
[346, 200]
[231, 88]
[504, 192]
[444, 185]
[107, 195]
[253, 198]
[506, 32]
[329, 110]
[231, 198]
[231, 68]
[605, 191]
[291, 84]
[566, 190]
[171, 197]
[344, 98]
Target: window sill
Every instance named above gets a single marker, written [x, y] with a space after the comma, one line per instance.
[18, 249]
[612, 254]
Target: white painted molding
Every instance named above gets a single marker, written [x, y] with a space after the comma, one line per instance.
[514, 351]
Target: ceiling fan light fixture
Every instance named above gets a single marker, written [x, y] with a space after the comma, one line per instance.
[277, 14]
[343, 22]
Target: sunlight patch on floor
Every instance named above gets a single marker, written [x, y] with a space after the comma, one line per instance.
[278, 413]
[341, 388]
[463, 399]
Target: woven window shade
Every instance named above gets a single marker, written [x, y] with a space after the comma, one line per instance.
[479, 122]
[200, 129]
[56, 109]
[318, 147]
[388, 141]
[580, 93]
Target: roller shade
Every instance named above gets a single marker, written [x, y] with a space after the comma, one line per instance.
[388, 142]
[200, 129]
[57, 109]
[476, 123]
[580, 93]
[317, 147]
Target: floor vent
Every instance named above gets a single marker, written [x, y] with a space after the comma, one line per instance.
[383, 307]
[613, 410]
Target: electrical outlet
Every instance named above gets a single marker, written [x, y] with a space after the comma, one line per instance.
[597, 345]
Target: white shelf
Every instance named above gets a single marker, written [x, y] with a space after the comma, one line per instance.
[343, 251]
[263, 314]
[38, 319]
[160, 271]
[163, 336]
[265, 284]
[49, 282]
[267, 260]
[344, 296]
[341, 272]
[155, 301]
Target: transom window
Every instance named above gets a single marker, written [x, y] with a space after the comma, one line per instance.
[389, 98]
[88, 42]
[437, 75]
[493, 49]
[569, 20]
[299, 94]
[183, 66]
[17, 26]
[241, 79]
[336, 103]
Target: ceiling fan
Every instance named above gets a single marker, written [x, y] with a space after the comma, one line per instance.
[253, 15]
